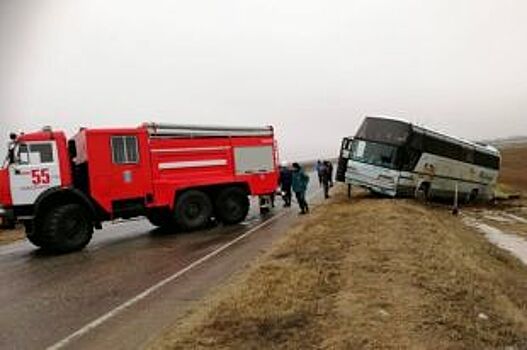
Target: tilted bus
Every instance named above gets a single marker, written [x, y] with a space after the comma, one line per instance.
[397, 158]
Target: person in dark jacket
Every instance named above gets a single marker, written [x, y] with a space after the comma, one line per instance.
[330, 172]
[299, 185]
[318, 169]
[325, 176]
[285, 182]
[329, 168]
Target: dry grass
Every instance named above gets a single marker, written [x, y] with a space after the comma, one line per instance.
[514, 167]
[10, 236]
[373, 273]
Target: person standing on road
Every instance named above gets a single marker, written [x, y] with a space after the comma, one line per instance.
[329, 165]
[318, 167]
[285, 182]
[299, 185]
[325, 176]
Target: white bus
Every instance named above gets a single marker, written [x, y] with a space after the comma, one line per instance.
[397, 158]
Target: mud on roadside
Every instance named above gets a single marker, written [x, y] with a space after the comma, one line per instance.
[373, 273]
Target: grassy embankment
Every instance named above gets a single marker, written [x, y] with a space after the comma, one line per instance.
[373, 273]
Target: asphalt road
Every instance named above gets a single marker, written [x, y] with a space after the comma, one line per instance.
[130, 283]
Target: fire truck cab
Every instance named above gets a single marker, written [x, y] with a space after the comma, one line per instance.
[176, 175]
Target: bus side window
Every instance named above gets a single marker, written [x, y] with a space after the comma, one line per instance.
[469, 155]
[409, 158]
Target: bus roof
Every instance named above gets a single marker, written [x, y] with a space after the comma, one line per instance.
[425, 130]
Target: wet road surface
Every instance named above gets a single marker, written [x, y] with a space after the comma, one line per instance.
[44, 299]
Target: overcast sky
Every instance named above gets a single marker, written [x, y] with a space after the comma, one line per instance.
[312, 69]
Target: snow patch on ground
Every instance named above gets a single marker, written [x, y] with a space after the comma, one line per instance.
[508, 241]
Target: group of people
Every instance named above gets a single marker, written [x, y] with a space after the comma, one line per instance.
[294, 179]
[324, 170]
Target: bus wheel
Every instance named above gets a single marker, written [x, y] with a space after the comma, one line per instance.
[232, 205]
[64, 229]
[473, 195]
[193, 210]
[423, 192]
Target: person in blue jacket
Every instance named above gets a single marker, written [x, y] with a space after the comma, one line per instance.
[299, 185]
[285, 182]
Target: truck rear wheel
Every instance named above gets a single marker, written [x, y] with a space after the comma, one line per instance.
[160, 218]
[193, 210]
[35, 239]
[65, 229]
[232, 205]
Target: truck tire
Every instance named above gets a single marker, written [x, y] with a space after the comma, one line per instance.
[65, 229]
[160, 218]
[193, 210]
[232, 205]
[35, 239]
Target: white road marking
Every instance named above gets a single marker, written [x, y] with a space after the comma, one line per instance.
[97, 322]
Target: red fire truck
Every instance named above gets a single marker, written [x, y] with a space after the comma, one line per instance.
[175, 175]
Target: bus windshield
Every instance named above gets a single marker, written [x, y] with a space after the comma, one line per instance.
[374, 153]
[384, 130]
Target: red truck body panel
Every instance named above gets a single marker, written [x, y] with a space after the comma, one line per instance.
[5, 193]
[106, 180]
[167, 165]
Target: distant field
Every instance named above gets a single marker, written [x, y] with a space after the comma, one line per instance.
[514, 167]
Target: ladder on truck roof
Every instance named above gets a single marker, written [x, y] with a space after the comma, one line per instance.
[179, 130]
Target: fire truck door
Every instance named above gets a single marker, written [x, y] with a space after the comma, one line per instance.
[35, 170]
[129, 175]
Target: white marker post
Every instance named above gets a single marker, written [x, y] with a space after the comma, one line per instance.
[455, 209]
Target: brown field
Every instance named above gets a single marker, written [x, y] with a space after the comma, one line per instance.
[514, 167]
[371, 274]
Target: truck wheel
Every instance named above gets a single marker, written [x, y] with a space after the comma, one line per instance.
[65, 229]
[160, 218]
[232, 205]
[35, 239]
[193, 210]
